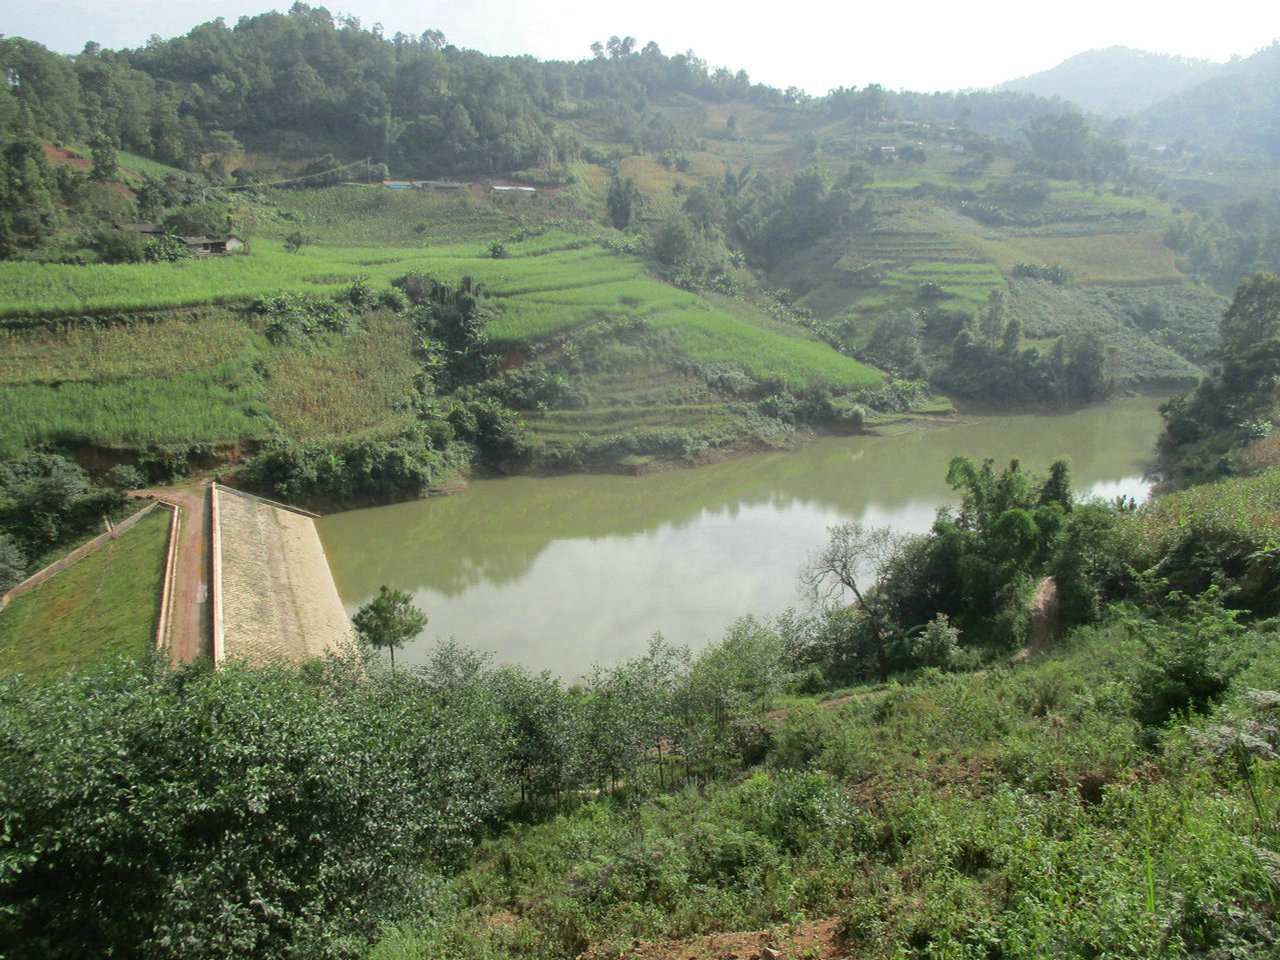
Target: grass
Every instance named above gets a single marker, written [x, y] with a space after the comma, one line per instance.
[52, 290]
[537, 314]
[1116, 258]
[1239, 515]
[145, 166]
[374, 216]
[714, 337]
[104, 605]
[218, 405]
[355, 388]
[570, 425]
[210, 376]
[156, 348]
[1014, 813]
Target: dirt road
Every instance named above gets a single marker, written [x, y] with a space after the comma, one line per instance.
[191, 626]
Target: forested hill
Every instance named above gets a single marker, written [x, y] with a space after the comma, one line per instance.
[1117, 81]
[1236, 112]
[302, 84]
[887, 224]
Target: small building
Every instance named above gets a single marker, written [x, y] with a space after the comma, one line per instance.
[212, 246]
[505, 188]
[200, 246]
[399, 184]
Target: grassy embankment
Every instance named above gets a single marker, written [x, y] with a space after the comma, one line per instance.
[105, 604]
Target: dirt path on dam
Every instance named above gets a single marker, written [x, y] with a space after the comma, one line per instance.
[191, 624]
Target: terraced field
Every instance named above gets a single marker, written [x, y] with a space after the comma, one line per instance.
[199, 369]
[900, 249]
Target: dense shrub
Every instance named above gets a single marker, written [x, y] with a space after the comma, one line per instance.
[292, 317]
[239, 813]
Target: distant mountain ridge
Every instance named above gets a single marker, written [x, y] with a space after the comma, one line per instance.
[1236, 111]
[1117, 81]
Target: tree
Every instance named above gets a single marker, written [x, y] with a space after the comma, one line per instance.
[1058, 139]
[13, 563]
[103, 153]
[619, 201]
[1253, 317]
[296, 241]
[856, 554]
[205, 219]
[388, 620]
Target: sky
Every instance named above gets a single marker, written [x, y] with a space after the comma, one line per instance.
[815, 45]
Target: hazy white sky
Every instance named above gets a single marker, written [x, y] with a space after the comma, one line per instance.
[925, 45]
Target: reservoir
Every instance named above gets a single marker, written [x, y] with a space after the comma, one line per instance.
[559, 573]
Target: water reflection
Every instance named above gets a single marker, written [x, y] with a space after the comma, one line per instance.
[558, 573]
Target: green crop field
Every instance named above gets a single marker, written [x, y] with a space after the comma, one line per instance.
[144, 166]
[80, 352]
[571, 425]
[715, 337]
[1116, 258]
[374, 216]
[105, 604]
[216, 405]
[356, 388]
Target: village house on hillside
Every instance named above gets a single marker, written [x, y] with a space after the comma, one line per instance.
[199, 246]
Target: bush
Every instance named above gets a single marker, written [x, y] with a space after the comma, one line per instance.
[115, 245]
[1185, 667]
[237, 813]
[166, 249]
[295, 317]
[373, 470]
[125, 477]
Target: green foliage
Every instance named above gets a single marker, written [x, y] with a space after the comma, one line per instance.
[1185, 668]
[13, 563]
[389, 620]
[987, 360]
[620, 200]
[165, 249]
[206, 219]
[118, 245]
[46, 499]
[1203, 430]
[232, 813]
[1053, 272]
[496, 432]
[1222, 535]
[295, 241]
[103, 153]
[1090, 562]
[296, 318]
[211, 405]
[344, 472]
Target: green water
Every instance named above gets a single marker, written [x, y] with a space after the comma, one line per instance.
[558, 573]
